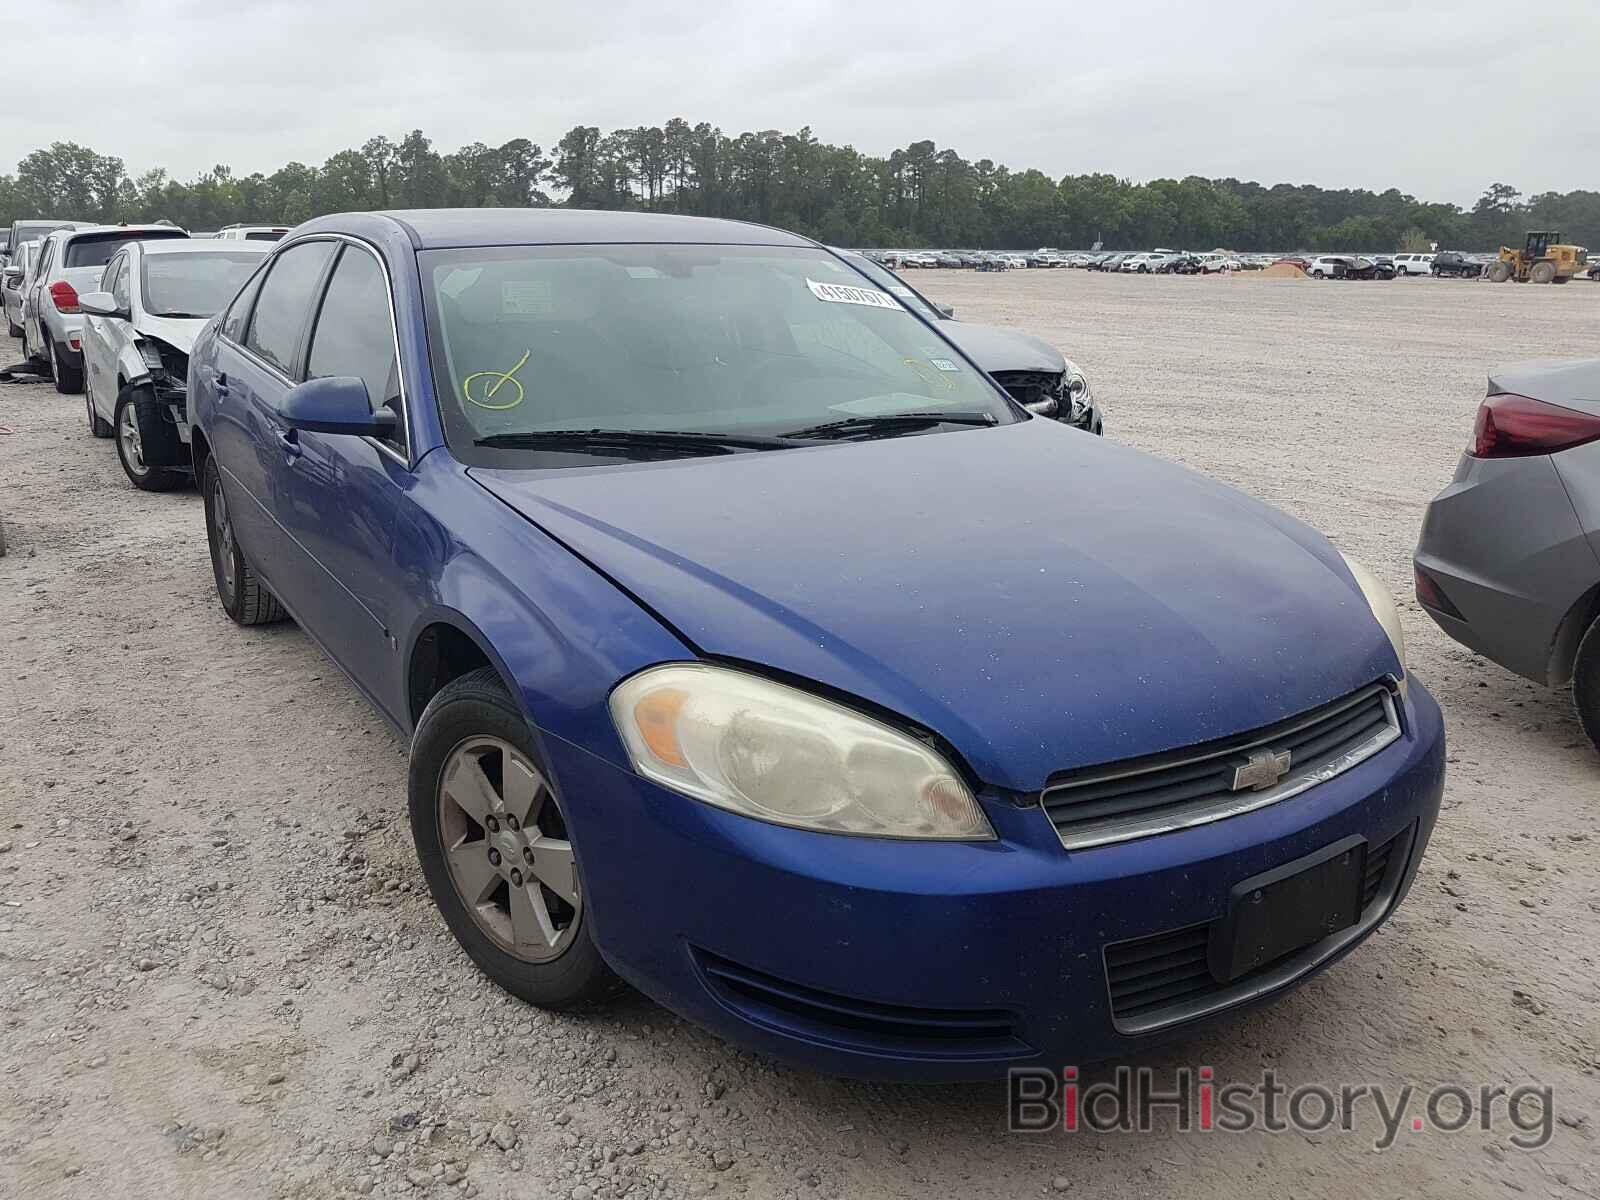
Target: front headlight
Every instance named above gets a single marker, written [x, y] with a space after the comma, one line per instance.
[1381, 601]
[1075, 381]
[779, 754]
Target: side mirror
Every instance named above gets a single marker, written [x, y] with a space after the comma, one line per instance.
[946, 311]
[100, 304]
[336, 404]
[12, 275]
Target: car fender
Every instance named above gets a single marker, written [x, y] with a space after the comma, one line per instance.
[560, 634]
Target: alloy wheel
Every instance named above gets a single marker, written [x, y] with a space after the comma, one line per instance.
[128, 436]
[505, 842]
[224, 535]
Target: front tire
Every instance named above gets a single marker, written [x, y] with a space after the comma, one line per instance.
[1499, 272]
[144, 439]
[495, 848]
[1586, 683]
[244, 597]
[69, 380]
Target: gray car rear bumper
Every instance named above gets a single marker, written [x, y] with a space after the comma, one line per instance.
[1505, 545]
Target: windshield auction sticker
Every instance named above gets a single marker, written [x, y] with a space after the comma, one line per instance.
[839, 293]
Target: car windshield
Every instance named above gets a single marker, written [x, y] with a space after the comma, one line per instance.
[757, 341]
[194, 285]
[894, 285]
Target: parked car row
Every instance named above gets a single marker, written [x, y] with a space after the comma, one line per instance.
[1442, 264]
[112, 311]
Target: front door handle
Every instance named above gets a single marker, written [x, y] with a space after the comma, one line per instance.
[289, 442]
[222, 384]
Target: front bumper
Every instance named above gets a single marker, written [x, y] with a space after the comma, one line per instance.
[923, 961]
[1505, 546]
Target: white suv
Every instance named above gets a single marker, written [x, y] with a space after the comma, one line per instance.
[71, 259]
[1413, 264]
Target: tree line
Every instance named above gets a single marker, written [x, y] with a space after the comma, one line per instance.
[916, 196]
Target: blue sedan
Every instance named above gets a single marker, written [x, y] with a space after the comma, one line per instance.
[744, 656]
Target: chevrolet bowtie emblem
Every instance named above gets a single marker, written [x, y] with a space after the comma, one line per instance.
[1261, 770]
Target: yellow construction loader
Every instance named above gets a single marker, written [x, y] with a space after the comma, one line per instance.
[1544, 259]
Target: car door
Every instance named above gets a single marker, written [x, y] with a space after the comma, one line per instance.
[102, 339]
[338, 495]
[256, 362]
[32, 336]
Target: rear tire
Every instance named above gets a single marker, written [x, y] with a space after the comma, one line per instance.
[144, 439]
[476, 715]
[69, 380]
[244, 597]
[97, 426]
[1586, 683]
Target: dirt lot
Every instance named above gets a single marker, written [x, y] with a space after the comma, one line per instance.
[220, 975]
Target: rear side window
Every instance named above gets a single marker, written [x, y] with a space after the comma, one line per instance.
[355, 334]
[285, 301]
[96, 250]
[239, 311]
[270, 235]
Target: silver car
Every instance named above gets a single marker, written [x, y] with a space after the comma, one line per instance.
[138, 329]
[12, 280]
[1509, 559]
[72, 260]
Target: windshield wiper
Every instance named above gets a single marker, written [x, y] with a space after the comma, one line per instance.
[633, 442]
[890, 422]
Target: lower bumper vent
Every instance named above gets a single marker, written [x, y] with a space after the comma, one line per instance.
[864, 1025]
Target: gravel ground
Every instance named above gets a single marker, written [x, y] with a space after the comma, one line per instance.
[220, 974]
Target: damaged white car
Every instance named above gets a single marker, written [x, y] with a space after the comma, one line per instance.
[138, 330]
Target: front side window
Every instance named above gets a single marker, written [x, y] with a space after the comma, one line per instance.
[727, 340]
[118, 272]
[285, 300]
[354, 334]
[193, 286]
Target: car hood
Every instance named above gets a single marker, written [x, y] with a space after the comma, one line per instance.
[179, 334]
[1569, 383]
[1003, 349]
[1040, 598]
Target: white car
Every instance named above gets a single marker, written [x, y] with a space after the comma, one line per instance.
[249, 233]
[1016, 262]
[1413, 264]
[1220, 262]
[71, 259]
[138, 330]
[1329, 266]
[1143, 264]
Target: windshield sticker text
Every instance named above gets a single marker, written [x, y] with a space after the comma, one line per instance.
[840, 293]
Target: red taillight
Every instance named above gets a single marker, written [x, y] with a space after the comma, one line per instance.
[64, 297]
[1512, 426]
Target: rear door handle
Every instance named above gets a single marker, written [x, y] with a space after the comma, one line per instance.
[289, 442]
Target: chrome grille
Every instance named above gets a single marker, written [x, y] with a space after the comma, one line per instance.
[1191, 787]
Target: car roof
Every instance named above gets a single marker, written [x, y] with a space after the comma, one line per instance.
[96, 230]
[201, 246]
[438, 228]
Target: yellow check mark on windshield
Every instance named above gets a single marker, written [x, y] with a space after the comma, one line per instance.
[487, 392]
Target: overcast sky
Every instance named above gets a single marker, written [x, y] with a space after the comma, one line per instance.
[1438, 98]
